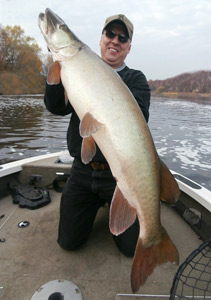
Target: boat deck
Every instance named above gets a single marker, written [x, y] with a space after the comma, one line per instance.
[31, 257]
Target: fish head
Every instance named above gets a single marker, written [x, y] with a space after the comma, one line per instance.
[61, 41]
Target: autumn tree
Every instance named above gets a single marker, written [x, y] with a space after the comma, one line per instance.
[20, 58]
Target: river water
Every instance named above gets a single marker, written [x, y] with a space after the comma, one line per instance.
[181, 130]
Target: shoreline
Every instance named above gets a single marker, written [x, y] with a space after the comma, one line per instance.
[182, 95]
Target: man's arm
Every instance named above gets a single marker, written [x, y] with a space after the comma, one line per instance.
[54, 100]
[141, 91]
[138, 85]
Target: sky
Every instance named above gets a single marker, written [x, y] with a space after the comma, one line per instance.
[171, 37]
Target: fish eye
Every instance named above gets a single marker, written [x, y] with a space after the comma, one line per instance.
[63, 26]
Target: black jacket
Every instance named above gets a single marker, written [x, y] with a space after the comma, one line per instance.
[55, 103]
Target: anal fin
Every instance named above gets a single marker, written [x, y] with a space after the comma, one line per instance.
[122, 215]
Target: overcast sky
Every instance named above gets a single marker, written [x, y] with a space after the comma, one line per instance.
[171, 37]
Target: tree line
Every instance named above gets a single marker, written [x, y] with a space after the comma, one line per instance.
[195, 83]
[22, 69]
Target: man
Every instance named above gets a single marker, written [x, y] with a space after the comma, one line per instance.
[92, 185]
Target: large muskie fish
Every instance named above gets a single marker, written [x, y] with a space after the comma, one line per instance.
[111, 118]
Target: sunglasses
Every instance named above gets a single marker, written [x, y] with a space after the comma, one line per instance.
[121, 37]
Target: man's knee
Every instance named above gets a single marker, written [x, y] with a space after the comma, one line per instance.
[70, 243]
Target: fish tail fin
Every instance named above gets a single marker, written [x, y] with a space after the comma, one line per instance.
[146, 259]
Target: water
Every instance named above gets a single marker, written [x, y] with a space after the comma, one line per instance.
[28, 129]
[182, 133]
[181, 130]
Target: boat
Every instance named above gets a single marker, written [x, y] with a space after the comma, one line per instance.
[33, 266]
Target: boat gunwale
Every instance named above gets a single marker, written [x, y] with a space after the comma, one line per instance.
[186, 185]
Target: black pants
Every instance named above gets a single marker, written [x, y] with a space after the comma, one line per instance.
[85, 192]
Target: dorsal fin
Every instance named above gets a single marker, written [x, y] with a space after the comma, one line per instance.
[169, 188]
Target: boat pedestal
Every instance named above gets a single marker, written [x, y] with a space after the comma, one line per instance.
[58, 290]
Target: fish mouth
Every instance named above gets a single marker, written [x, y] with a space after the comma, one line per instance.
[49, 22]
[61, 41]
[41, 16]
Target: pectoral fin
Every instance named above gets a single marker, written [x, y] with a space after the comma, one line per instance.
[169, 188]
[88, 149]
[54, 73]
[89, 125]
[122, 215]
